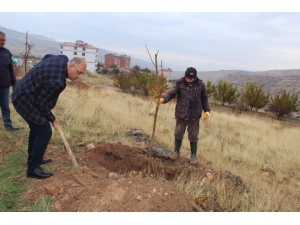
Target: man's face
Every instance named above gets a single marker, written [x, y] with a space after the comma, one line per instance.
[189, 79]
[2, 40]
[76, 71]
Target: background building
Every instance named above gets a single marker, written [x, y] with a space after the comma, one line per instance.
[167, 73]
[122, 61]
[125, 61]
[83, 50]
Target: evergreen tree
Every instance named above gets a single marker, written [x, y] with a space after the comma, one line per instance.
[284, 103]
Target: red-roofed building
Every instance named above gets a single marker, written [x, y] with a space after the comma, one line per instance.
[83, 50]
[122, 61]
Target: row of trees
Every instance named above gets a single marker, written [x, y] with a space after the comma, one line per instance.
[253, 97]
[113, 69]
[137, 82]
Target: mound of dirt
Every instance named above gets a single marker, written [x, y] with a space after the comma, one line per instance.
[114, 178]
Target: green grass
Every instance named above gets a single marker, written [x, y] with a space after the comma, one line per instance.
[43, 205]
[13, 182]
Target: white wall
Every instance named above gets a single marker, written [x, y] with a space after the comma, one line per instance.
[90, 56]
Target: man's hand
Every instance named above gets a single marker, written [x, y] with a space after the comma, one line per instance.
[206, 115]
[56, 124]
[160, 100]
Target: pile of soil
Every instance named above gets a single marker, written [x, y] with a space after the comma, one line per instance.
[115, 178]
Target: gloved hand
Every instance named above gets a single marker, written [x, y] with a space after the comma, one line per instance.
[160, 100]
[206, 115]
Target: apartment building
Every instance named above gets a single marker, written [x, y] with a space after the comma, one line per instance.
[167, 73]
[83, 50]
[122, 61]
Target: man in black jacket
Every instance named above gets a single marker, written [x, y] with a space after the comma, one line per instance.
[33, 98]
[7, 79]
[191, 100]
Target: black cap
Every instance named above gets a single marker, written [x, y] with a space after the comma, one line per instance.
[191, 72]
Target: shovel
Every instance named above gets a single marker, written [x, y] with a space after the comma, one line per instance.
[68, 148]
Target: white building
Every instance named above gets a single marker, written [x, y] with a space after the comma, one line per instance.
[167, 73]
[83, 50]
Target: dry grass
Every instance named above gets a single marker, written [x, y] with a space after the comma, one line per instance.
[241, 144]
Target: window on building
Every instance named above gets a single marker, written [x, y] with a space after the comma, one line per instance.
[83, 49]
[83, 54]
[75, 48]
[75, 53]
[60, 52]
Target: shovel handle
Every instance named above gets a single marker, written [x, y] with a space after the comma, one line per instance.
[68, 148]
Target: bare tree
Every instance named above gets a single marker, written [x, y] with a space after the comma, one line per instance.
[28, 47]
[157, 87]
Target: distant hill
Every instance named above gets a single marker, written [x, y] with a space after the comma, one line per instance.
[273, 80]
[210, 75]
[43, 45]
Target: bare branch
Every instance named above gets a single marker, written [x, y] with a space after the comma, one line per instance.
[155, 65]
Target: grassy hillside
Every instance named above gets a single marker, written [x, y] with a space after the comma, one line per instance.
[262, 151]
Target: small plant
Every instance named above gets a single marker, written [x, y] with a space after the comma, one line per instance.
[157, 86]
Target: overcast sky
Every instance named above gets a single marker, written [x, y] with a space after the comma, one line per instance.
[208, 41]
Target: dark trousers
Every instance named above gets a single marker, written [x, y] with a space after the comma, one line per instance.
[192, 126]
[39, 137]
[4, 105]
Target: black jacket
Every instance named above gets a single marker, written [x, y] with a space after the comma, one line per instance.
[7, 75]
[191, 98]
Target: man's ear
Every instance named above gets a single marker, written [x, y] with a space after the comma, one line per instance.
[69, 65]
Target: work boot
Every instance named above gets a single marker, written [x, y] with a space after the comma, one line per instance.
[176, 153]
[193, 159]
[12, 128]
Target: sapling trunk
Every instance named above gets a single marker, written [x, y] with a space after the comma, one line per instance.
[157, 87]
